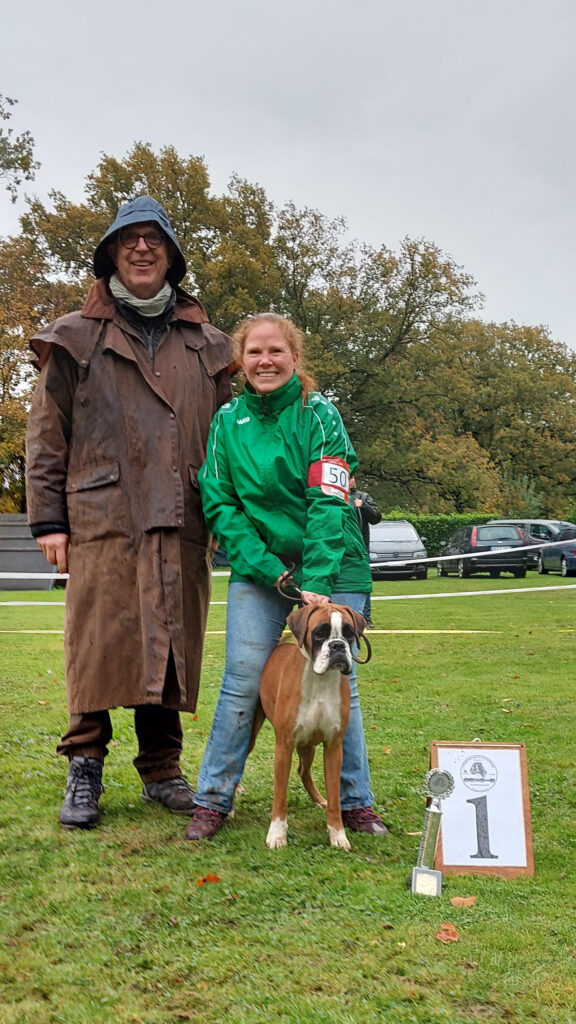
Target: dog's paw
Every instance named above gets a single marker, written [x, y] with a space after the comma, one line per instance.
[338, 838]
[277, 834]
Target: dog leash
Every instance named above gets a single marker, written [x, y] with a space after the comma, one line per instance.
[287, 588]
[286, 583]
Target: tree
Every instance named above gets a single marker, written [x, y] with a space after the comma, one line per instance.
[514, 390]
[446, 413]
[28, 298]
[17, 162]
[225, 239]
[371, 317]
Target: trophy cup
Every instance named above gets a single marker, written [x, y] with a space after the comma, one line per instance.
[438, 785]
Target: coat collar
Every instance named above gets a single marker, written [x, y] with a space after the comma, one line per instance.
[276, 401]
[100, 305]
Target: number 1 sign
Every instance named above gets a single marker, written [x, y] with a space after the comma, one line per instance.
[486, 823]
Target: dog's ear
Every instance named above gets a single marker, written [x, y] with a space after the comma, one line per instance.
[298, 621]
[358, 621]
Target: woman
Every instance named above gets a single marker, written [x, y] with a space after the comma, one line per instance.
[275, 493]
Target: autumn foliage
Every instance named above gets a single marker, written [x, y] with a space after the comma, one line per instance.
[447, 413]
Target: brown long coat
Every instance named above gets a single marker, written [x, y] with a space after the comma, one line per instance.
[115, 441]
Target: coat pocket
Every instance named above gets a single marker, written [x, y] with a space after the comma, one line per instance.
[97, 506]
[93, 476]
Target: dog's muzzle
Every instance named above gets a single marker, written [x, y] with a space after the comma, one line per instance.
[339, 655]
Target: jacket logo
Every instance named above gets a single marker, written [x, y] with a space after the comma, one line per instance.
[246, 419]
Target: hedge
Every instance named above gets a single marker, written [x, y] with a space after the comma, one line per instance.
[436, 529]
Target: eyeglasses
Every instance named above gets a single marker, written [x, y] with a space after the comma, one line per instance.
[129, 239]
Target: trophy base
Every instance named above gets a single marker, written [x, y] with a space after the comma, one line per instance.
[426, 881]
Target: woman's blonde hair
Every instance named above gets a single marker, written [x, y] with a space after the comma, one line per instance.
[292, 335]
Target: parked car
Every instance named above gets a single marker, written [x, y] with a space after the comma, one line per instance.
[396, 539]
[561, 558]
[536, 531]
[485, 539]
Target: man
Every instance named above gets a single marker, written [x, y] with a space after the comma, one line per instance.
[368, 514]
[117, 432]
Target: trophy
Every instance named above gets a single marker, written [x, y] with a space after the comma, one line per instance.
[438, 785]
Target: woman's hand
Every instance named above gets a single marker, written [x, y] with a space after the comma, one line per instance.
[308, 597]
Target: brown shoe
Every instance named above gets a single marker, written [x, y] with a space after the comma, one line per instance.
[205, 823]
[364, 819]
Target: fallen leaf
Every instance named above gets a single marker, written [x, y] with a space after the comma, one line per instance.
[413, 833]
[507, 710]
[194, 718]
[386, 750]
[208, 878]
[527, 725]
[44, 702]
[507, 700]
[463, 901]
[387, 926]
[447, 933]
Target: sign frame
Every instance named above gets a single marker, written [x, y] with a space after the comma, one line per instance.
[454, 757]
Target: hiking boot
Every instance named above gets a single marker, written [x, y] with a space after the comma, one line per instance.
[205, 823]
[175, 794]
[83, 789]
[364, 819]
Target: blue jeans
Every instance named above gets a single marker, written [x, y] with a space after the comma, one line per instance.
[256, 617]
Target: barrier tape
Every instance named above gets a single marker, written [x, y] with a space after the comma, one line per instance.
[395, 561]
[55, 575]
[375, 597]
[471, 554]
[474, 593]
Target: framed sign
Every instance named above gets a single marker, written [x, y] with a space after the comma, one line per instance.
[486, 827]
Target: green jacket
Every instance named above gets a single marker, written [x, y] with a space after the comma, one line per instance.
[263, 497]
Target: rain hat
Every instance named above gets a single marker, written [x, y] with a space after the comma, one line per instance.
[138, 211]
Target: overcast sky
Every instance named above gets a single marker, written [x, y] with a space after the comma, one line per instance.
[451, 120]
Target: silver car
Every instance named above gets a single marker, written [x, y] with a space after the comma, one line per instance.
[396, 539]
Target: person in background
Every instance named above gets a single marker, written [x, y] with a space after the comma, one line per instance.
[117, 433]
[275, 493]
[368, 514]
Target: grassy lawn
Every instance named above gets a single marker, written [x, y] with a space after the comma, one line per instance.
[112, 927]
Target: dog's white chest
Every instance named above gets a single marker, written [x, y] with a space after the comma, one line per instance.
[319, 710]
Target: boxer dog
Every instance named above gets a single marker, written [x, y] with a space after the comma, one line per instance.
[305, 693]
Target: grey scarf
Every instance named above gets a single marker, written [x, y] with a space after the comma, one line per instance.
[146, 307]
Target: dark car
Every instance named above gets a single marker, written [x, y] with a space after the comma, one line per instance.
[536, 531]
[485, 542]
[396, 539]
[557, 557]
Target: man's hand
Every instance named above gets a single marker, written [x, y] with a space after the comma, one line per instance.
[55, 548]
